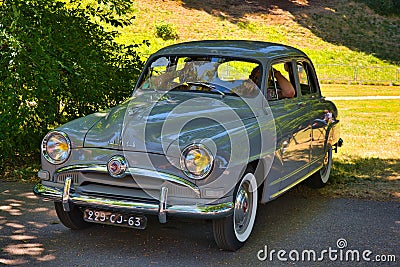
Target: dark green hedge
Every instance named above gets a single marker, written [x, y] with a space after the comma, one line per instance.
[56, 64]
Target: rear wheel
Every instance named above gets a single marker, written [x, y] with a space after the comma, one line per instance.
[72, 219]
[230, 233]
[321, 177]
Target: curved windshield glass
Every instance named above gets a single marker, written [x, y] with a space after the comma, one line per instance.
[203, 74]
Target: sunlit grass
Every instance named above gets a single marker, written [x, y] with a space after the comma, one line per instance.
[370, 128]
[335, 90]
[368, 164]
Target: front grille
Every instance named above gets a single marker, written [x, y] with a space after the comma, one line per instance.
[60, 178]
[119, 192]
[179, 191]
[149, 200]
[99, 183]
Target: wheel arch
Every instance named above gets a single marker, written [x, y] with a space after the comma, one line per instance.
[331, 136]
[259, 172]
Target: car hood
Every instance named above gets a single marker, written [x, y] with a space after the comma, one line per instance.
[151, 121]
[78, 128]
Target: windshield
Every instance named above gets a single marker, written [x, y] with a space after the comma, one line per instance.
[203, 74]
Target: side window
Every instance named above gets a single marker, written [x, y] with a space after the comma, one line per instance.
[236, 70]
[281, 81]
[306, 78]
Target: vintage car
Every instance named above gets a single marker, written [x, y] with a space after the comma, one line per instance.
[212, 130]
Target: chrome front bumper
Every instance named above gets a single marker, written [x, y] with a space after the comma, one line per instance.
[68, 197]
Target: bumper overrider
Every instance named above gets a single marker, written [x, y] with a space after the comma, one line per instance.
[68, 196]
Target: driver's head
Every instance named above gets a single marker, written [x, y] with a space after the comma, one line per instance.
[255, 76]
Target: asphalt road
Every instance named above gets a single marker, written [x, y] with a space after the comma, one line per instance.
[296, 224]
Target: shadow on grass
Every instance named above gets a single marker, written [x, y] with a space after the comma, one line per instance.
[370, 178]
[351, 24]
[366, 169]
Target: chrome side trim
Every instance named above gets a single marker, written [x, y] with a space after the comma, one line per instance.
[86, 168]
[211, 211]
[294, 184]
[99, 168]
[296, 171]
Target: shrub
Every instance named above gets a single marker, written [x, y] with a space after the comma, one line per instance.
[166, 31]
[56, 64]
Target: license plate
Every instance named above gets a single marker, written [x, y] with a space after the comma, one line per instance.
[113, 218]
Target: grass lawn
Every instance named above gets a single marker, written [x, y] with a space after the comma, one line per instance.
[334, 90]
[371, 128]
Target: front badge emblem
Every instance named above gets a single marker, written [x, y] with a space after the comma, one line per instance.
[117, 166]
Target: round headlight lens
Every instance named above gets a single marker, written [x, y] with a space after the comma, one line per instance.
[56, 147]
[196, 161]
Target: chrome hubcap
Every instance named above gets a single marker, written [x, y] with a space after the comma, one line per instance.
[242, 208]
[326, 168]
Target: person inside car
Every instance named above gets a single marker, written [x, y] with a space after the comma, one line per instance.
[286, 89]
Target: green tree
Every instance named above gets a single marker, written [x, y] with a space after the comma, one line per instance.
[57, 63]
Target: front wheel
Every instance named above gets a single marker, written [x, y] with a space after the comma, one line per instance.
[321, 177]
[230, 233]
[72, 219]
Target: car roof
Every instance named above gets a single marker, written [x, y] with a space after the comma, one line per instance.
[255, 50]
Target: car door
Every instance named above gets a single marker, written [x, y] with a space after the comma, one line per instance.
[293, 120]
[310, 92]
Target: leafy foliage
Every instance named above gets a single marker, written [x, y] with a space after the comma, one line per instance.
[58, 63]
[166, 31]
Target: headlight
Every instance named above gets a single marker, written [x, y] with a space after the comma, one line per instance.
[56, 147]
[196, 161]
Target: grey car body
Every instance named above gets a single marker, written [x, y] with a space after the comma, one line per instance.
[198, 148]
